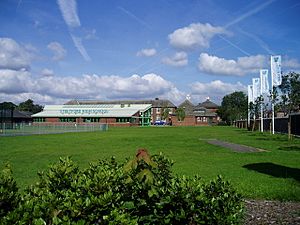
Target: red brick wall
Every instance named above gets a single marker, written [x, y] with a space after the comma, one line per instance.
[52, 120]
[188, 121]
[79, 120]
[108, 120]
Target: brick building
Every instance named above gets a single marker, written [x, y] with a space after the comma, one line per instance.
[112, 114]
[203, 114]
[157, 105]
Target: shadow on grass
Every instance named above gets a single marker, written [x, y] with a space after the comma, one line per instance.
[290, 148]
[275, 170]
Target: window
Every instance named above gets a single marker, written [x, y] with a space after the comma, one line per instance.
[39, 119]
[91, 120]
[158, 110]
[67, 119]
[123, 120]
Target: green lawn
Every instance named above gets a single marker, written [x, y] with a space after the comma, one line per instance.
[274, 174]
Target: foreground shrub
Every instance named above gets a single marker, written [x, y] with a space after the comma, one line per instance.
[141, 191]
[9, 196]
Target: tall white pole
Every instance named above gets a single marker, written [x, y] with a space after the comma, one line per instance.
[261, 106]
[272, 92]
[250, 97]
[248, 116]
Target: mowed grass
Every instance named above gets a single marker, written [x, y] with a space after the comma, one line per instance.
[273, 174]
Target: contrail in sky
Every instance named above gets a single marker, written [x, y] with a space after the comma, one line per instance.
[142, 22]
[261, 43]
[249, 13]
[68, 9]
[235, 46]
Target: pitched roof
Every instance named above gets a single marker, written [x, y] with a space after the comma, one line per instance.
[157, 103]
[21, 114]
[187, 106]
[200, 109]
[209, 104]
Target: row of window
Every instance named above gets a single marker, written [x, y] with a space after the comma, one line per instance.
[88, 120]
[38, 119]
[91, 120]
[158, 110]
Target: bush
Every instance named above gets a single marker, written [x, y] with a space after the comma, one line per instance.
[9, 196]
[141, 191]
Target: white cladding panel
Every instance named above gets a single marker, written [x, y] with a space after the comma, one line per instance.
[124, 110]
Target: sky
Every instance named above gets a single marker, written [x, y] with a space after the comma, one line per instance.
[55, 51]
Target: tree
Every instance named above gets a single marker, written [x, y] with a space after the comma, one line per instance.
[7, 105]
[233, 107]
[254, 109]
[290, 98]
[165, 113]
[29, 106]
[180, 114]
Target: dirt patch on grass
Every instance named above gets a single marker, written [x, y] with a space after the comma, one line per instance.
[271, 212]
[234, 147]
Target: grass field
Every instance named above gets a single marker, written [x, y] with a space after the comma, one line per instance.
[274, 174]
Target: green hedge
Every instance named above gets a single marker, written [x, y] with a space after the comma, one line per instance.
[140, 191]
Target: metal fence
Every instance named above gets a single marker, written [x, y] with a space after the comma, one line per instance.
[19, 129]
[6, 117]
[280, 124]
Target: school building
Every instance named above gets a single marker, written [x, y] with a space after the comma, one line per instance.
[112, 114]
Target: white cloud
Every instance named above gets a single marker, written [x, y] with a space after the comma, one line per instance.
[37, 98]
[56, 89]
[58, 51]
[15, 82]
[216, 90]
[78, 44]
[240, 67]
[195, 35]
[179, 59]
[290, 63]
[90, 34]
[13, 55]
[146, 52]
[47, 72]
[68, 9]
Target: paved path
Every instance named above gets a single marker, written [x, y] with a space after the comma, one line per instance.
[234, 147]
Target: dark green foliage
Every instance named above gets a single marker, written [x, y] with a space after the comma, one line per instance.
[141, 191]
[180, 114]
[7, 105]
[233, 107]
[290, 89]
[9, 196]
[165, 111]
[28, 106]
[290, 96]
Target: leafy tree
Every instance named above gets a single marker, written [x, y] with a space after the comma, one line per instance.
[7, 105]
[233, 107]
[254, 109]
[290, 98]
[29, 106]
[180, 113]
[165, 113]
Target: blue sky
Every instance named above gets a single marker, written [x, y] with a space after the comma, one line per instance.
[54, 51]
